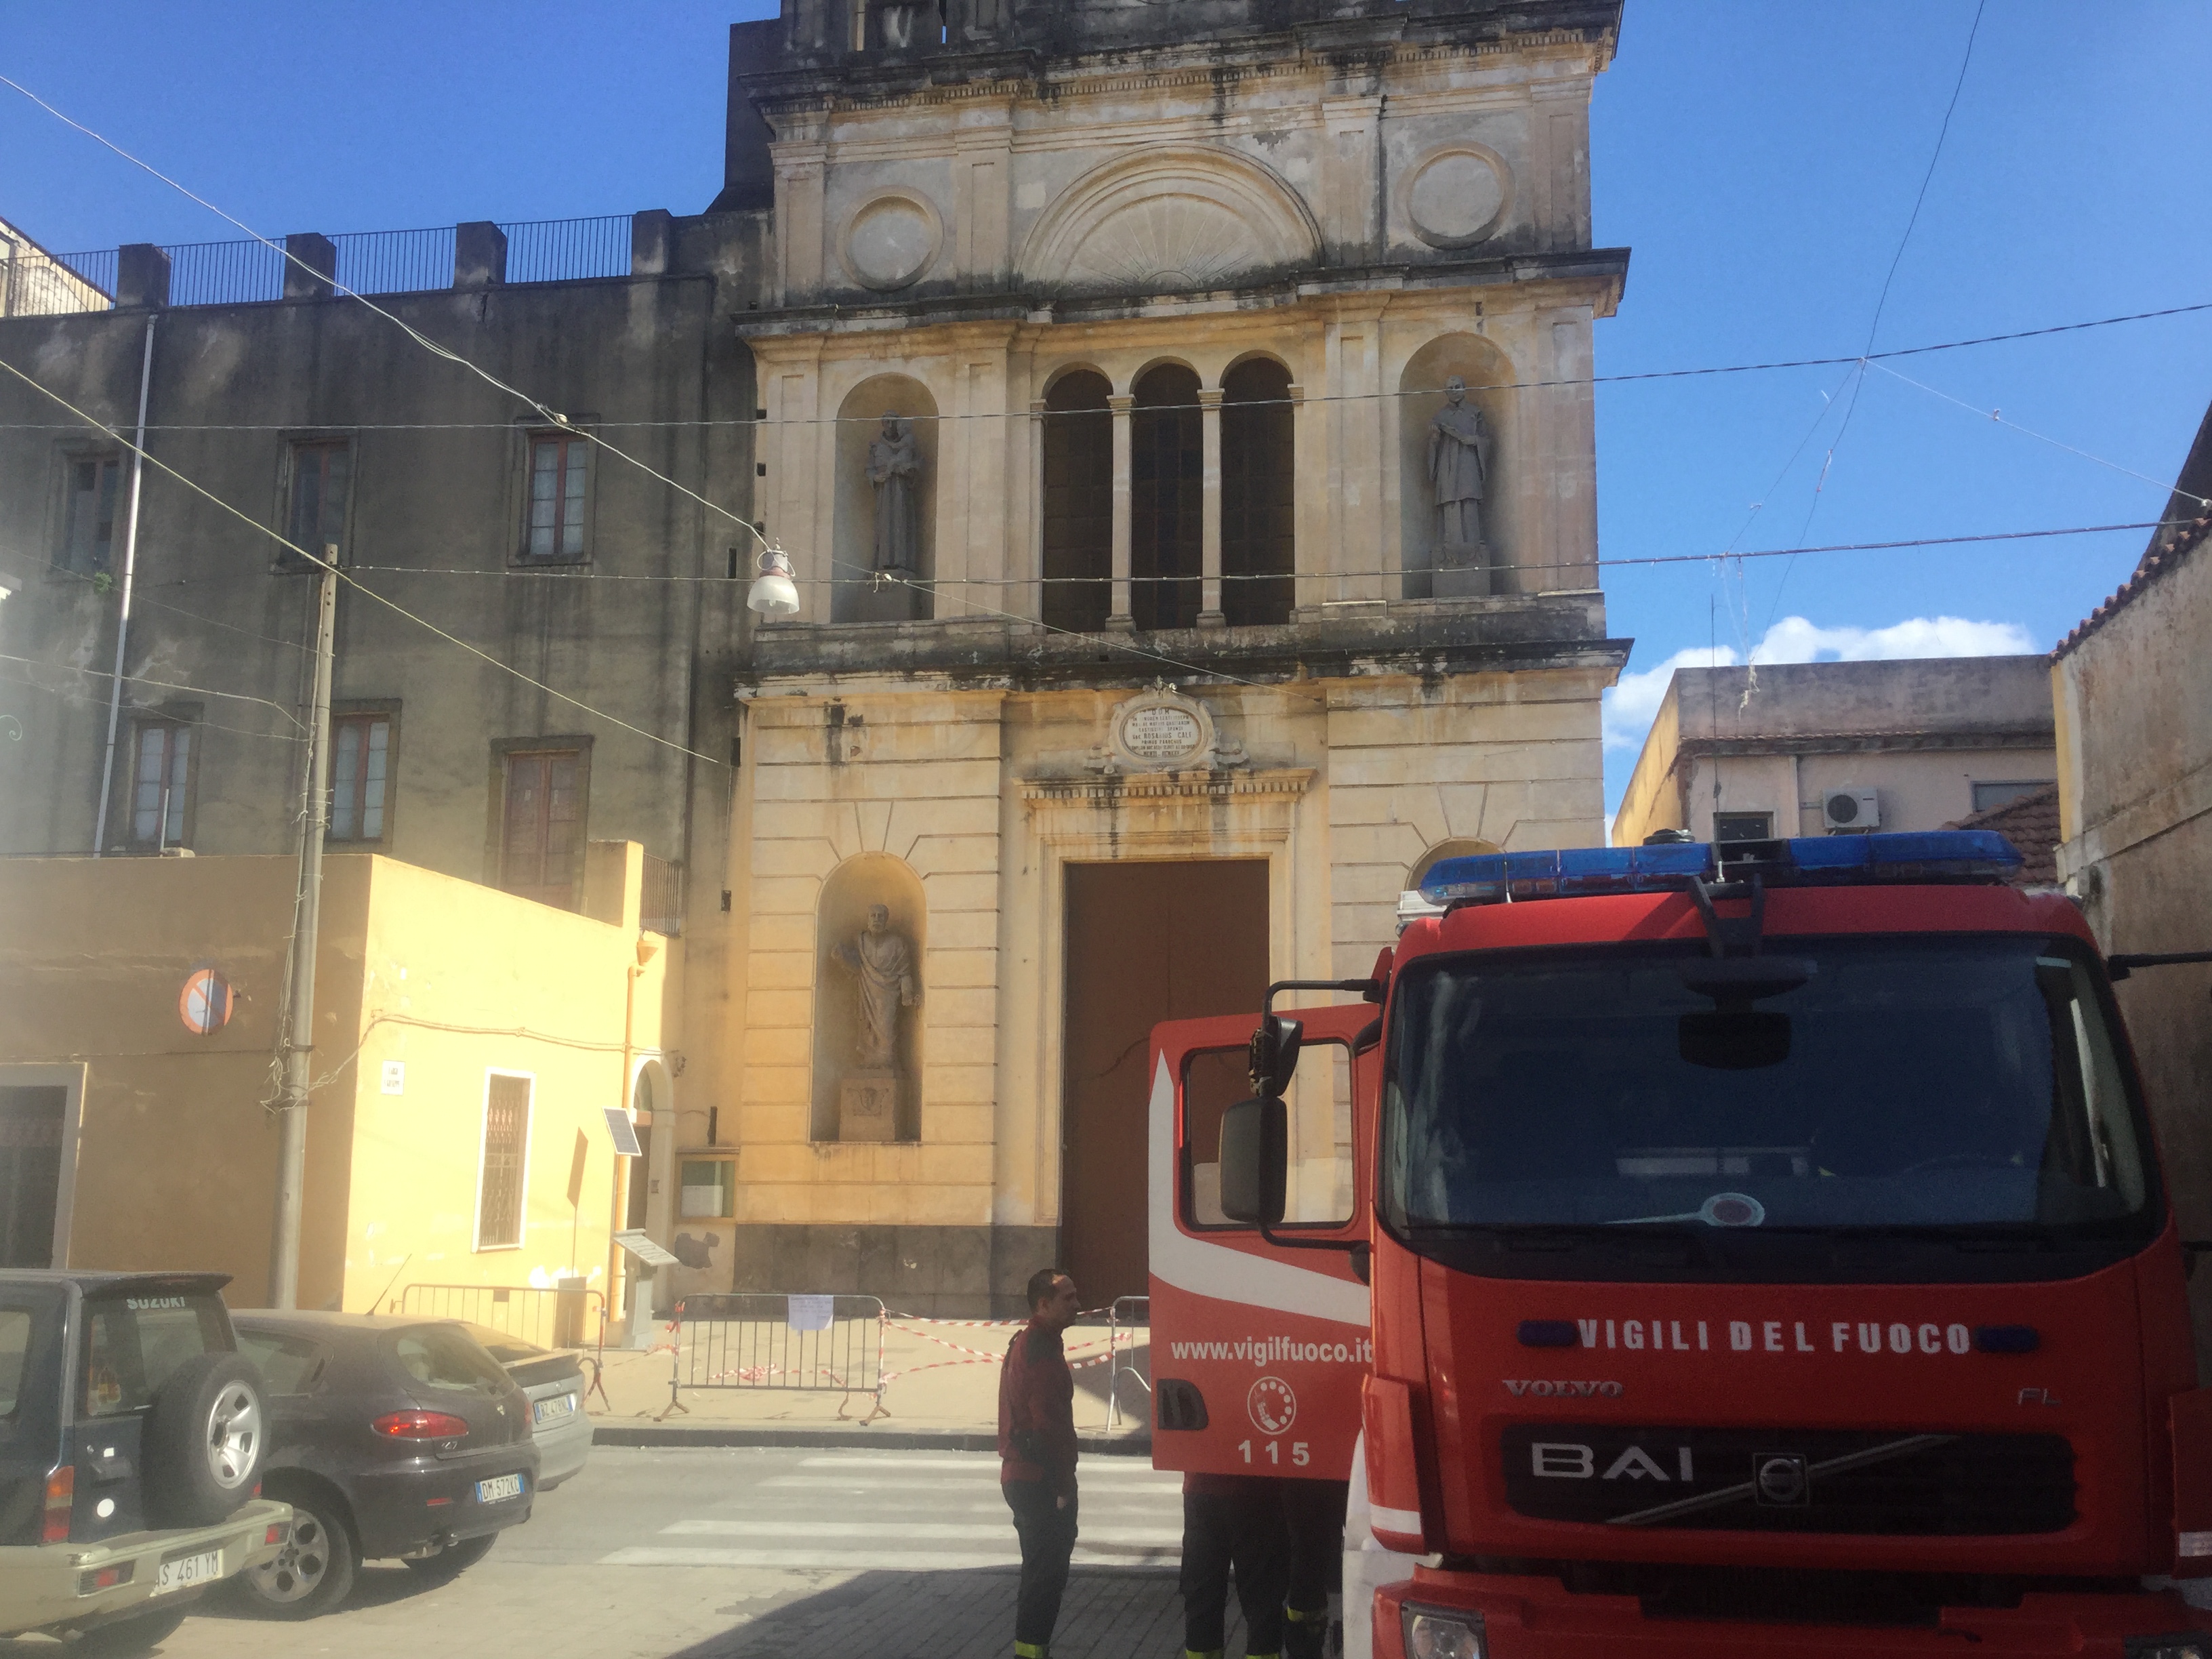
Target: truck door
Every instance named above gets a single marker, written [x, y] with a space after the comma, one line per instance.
[1258, 1348]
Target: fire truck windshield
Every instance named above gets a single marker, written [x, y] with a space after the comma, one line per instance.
[1938, 1086]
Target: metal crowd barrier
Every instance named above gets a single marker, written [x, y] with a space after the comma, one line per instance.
[1131, 1314]
[760, 1339]
[565, 1316]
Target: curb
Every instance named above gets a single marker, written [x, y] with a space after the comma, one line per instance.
[687, 1434]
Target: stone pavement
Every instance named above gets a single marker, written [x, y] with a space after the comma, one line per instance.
[756, 1553]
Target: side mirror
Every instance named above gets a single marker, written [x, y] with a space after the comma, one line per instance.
[1255, 1145]
[1272, 1055]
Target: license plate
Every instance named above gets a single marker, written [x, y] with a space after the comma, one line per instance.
[549, 1410]
[499, 1488]
[187, 1571]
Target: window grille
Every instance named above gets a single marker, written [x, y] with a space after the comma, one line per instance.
[505, 1158]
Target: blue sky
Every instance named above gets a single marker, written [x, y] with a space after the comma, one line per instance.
[1761, 160]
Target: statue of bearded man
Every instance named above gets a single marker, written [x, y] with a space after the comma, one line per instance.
[882, 962]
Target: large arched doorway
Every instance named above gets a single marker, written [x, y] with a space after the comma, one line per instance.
[1167, 493]
[1258, 520]
[1078, 501]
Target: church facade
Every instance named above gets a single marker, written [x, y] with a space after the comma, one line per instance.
[1245, 371]
[1177, 419]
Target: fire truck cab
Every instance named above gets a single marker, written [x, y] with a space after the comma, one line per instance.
[1699, 1250]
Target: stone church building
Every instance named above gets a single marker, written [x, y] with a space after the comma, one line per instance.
[1177, 420]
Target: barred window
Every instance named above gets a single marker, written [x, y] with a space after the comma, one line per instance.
[501, 1175]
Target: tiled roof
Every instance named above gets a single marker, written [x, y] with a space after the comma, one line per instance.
[2030, 822]
[2167, 556]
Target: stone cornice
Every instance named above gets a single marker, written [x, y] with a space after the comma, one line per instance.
[1597, 275]
[1229, 784]
[1026, 77]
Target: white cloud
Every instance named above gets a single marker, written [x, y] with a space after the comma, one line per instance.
[1630, 706]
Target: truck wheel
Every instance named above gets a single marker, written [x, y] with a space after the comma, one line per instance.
[126, 1638]
[314, 1570]
[451, 1562]
[203, 1441]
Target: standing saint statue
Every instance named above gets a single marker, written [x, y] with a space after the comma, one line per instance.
[895, 470]
[883, 963]
[1459, 446]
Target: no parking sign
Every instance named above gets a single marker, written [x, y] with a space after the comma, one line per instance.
[205, 1003]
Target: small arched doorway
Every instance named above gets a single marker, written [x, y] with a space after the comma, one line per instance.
[1258, 519]
[1078, 501]
[1167, 495]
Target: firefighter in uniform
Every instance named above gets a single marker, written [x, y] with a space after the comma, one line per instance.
[1036, 1457]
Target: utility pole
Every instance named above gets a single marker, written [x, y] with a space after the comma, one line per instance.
[299, 1025]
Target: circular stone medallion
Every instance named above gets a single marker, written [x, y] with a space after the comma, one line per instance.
[1457, 199]
[891, 241]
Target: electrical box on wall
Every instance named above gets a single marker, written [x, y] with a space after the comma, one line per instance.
[1850, 809]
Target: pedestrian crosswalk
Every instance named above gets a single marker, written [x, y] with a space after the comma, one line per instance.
[913, 1513]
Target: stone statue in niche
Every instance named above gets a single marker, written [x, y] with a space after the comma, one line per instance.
[897, 23]
[881, 963]
[1460, 449]
[895, 471]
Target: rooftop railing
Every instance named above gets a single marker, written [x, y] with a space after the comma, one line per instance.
[367, 262]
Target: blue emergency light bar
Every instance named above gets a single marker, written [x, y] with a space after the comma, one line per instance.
[1933, 856]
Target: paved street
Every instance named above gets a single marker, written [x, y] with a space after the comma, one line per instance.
[748, 1554]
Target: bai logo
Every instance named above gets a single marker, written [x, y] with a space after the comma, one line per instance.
[1272, 1406]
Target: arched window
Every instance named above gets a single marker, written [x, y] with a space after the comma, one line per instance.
[1078, 501]
[1258, 463]
[1166, 481]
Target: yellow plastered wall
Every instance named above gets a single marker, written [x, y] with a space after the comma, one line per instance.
[173, 1160]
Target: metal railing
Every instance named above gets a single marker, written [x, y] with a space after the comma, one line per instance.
[566, 1315]
[760, 1339]
[1129, 1313]
[368, 262]
[660, 899]
[34, 284]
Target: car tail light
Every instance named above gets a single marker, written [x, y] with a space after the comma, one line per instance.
[100, 1578]
[421, 1425]
[61, 1502]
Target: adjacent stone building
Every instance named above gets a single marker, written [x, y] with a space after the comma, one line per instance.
[1178, 423]
[2133, 686]
[1810, 749]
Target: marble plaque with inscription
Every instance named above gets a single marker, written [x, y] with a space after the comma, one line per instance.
[1162, 734]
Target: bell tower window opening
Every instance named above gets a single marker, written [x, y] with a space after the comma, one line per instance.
[1166, 483]
[1078, 502]
[1258, 517]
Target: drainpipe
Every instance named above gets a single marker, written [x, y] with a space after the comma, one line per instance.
[123, 620]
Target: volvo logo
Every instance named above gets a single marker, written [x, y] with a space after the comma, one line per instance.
[1781, 1480]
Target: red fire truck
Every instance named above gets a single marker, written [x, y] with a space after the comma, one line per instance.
[1694, 1250]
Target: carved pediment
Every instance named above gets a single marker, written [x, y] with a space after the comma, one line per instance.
[1169, 220]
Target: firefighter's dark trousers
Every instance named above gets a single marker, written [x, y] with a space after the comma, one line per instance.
[1047, 1532]
[1240, 1533]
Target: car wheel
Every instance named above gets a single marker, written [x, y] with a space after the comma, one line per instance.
[203, 1441]
[451, 1562]
[126, 1638]
[314, 1570]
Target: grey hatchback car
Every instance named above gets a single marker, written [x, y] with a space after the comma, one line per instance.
[389, 1437]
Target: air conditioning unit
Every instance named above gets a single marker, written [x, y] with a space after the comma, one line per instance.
[1851, 809]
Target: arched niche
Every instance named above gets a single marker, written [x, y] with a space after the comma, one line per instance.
[853, 890]
[1259, 515]
[1169, 218]
[852, 596]
[1489, 374]
[1459, 848]
[1166, 493]
[1079, 500]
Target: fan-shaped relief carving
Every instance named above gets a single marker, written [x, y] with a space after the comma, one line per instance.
[1166, 220]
